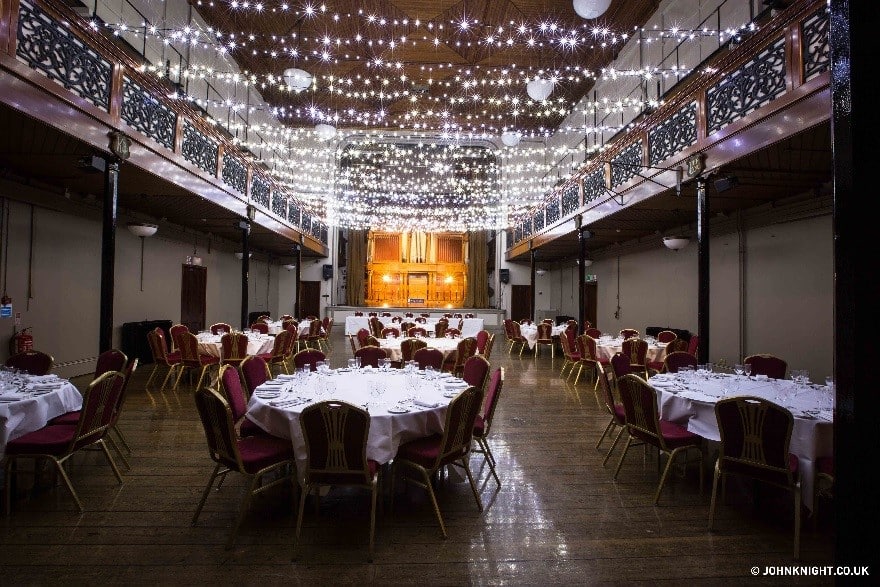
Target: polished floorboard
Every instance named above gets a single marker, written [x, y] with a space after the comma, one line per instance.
[559, 517]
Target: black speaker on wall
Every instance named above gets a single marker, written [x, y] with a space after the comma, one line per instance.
[505, 275]
[327, 272]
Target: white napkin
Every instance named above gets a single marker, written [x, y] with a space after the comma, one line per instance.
[44, 387]
[425, 404]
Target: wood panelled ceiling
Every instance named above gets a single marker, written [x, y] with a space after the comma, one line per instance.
[436, 51]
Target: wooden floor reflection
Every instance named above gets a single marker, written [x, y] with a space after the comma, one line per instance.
[558, 517]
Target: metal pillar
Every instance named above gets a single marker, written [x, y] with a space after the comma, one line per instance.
[582, 276]
[245, 228]
[532, 291]
[108, 253]
[299, 259]
[702, 271]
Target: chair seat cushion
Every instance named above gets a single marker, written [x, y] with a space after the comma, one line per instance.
[266, 356]
[479, 426]
[676, 436]
[263, 450]
[173, 357]
[574, 357]
[422, 451]
[68, 418]
[619, 414]
[655, 365]
[249, 428]
[825, 465]
[345, 477]
[49, 440]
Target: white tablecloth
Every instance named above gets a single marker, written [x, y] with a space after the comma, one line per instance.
[693, 404]
[469, 327]
[530, 332]
[387, 430]
[275, 327]
[31, 412]
[392, 346]
[258, 344]
[607, 347]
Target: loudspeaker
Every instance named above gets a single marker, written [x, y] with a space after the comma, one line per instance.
[327, 272]
[505, 275]
[722, 184]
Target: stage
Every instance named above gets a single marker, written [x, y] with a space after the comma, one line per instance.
[493, 319]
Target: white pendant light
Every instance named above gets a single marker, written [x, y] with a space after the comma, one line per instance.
[142, 229]
[325, 132]
[240, 256]
[591, 9]
[289, 266]
[510, 138]
[297, 79]
[675, 243]
[539, 89]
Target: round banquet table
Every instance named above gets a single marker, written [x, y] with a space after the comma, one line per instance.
[258, 344]
[530, 332]
[29, 404]
[276, 405]
[606, 347]
[392, 346]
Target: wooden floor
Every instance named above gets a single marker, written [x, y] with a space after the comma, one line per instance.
[558, 518]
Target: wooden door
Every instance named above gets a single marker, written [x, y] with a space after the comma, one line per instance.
[310, 299]
[591, 295]
[192, 297]
[521, 302]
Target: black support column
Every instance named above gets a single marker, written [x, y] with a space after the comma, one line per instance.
[702, 270]
[108, 252]
[245, 227]
[299, 260]
[583, 235]
[854, 124]
[532, 289]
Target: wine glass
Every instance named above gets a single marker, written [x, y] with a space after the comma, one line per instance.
[747, 369]
[738, 369]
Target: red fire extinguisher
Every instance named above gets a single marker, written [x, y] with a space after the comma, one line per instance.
[21, 341]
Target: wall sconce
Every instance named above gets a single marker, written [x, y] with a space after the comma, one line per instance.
[142, 230]
[290, 266]
[675, 243]
[239, 255]
[251, 213]
[540, 271]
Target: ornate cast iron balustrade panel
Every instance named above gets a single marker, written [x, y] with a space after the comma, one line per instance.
[49, 47]
[814, 43]
[316, 229]
[260, 192]
[279, 205]
[517, 233]
[306, 222]
[198, 149]
[293, 214]
[626, 164]
[324, 234]
[570, 200]
[538, 221]
[673, 134]
[594, 185]
[527, 227]
[147, 114]
[234, 173]
[755, 84]
[553, 206]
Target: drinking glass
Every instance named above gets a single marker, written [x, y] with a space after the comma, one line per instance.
[747, 369]
[739, 370]
[357, 362]
[352, 364]
[829, 382]
[321, 366]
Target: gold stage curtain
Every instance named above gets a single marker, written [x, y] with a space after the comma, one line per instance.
[477, 295]
[357, 260]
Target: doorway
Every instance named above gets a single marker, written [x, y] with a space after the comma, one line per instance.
[192, 297]
[521, 302]
[591, 297]
[310, 299]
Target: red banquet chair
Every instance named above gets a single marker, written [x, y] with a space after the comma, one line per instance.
[370, 355]
[33, 362]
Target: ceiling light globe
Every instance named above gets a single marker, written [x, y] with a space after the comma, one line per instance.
[325, 132]
[675, 243]
[539, 89]
[510, 138]
[297, 79]
[590, 9]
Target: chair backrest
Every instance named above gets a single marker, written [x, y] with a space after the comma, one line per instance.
[490, 402]
[255, 372]
[469, 315]
[111, 360]
[424, 315]
[421, 320]
[371, 341]
[357, 314]
[566, 348]
[629, 333]
[282, 346]
[315, 327]
[390, 330]
[289, 339]
[679, 344]
[467, 347]
[587, 347]
[547, 321]
[678, 359]
[220, 326]
[515, 331]
[130, 368]
[487, 352]
[640, 406]
[362, 336]
[636, 349]
[429, 357]
[409, 346]
[216, 417]
[769, 365]
[335, 436]
[620, 365]
[308, 357]
[233, 347]
[476, 371]
[755, 436]
[417, 330]
[440, 328]
[458, 430]
[33, 362]
[98, 409]
[452, 333]
[229, 384]
[175, 330]
[370, 355]
[606, 393]
[286, 317]
[482, 338]
[290, 323]
[694, 345]
[327, 323]
[409, 314]
[545, 332]
[594, 332]
[525, 322]
[666, 336]
[260, 326]
[396, 320]
[376, 326]
[573, 324]
[158, 347]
